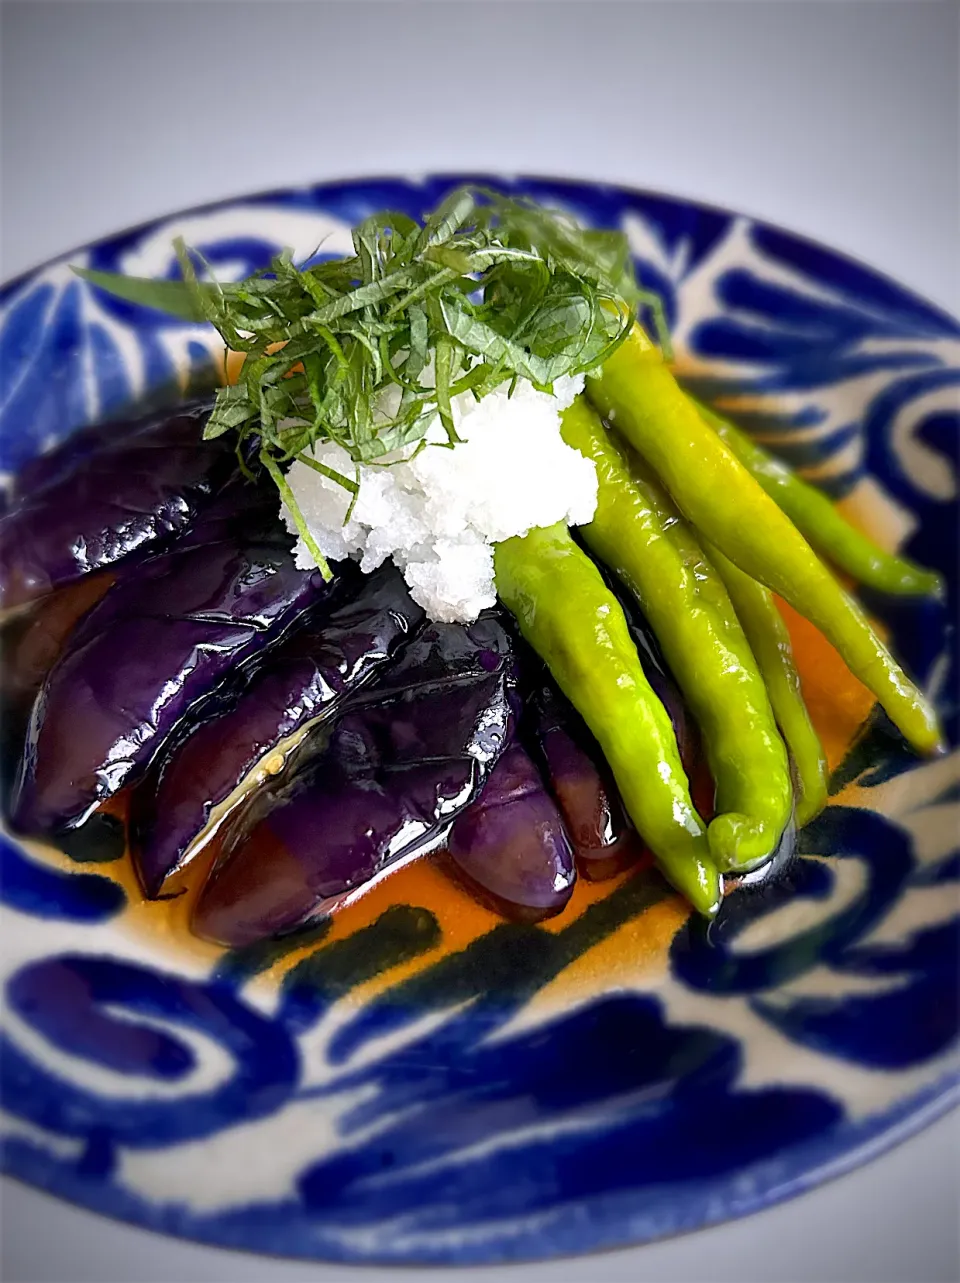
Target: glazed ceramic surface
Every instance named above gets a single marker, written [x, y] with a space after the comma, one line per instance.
[418, 1080]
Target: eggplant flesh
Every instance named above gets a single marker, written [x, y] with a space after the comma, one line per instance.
[79, 510]
[411, 753]
[511, 844]
[303, 684]
[156, 646]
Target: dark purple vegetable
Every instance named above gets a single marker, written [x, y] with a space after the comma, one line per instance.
[511, 843]
[660, 678]
[158, 644]
[603, 839]
[412, 753]
[37, 638]
[78, 448]
[30, 644]
[86, 510]
[305, 681]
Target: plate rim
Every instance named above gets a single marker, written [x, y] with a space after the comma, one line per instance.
[13, 283]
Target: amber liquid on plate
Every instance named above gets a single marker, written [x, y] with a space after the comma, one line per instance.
[838, 704]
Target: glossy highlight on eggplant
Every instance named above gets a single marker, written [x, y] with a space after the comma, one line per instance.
[511, 844]
[157, 645]
[110, 493]
[411, 754]
[303, 684]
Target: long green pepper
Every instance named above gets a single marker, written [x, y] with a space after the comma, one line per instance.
[770, 642]
[637, 393]
[819, 521]
[576, 625]
[638, 533]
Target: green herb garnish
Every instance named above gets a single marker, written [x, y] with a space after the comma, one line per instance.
[488, 289]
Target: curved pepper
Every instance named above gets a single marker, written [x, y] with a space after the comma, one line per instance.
[769, 640]
[638, 394]
[819, 521]
[576, 625]
[638, 533]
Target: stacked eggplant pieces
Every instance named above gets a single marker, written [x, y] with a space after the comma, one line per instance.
[161, 644]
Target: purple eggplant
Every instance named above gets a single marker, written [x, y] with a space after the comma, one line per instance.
[602, 837]
[413, 751]
[302, 685]
[511, 844]
[76, 450]
[157, 645]
[660, 678]
[87, 509]
[39, 635]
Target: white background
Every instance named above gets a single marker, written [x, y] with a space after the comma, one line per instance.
[838, 120]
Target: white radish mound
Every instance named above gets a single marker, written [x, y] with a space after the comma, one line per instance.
[439, 515]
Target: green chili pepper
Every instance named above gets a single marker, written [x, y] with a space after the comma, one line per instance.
[638, 532]
[638, 394]
[576, 625]
[819, 521]
[769, 640]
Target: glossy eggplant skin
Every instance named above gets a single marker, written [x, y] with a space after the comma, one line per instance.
[37, 638]
[80, 510]
[306, 680]
[411, 753]
[603, 839]
[111, 435]
[511, 844]
[158, 644]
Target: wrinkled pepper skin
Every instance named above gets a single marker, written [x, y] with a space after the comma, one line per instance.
[604, 843]
[511, 844]
[156, 645]
[409, 756]
[770, 642]
[88, 512]
[819, 521]
[573, 621]
[303, 683]
[638, 395]
[637, 532]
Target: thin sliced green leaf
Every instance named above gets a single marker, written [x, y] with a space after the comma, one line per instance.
[478, 337]
[175, 298]
[330, 473]
[488, 289]
[290, 502]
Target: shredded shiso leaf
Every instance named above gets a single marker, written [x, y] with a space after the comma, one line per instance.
[488, 289]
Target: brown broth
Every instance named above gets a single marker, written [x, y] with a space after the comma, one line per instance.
[838, 704]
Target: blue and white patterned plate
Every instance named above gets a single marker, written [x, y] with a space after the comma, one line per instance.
[423, 1083]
